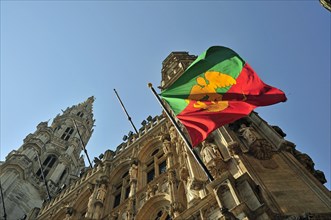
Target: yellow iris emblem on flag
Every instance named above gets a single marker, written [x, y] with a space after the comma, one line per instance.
[206, 87]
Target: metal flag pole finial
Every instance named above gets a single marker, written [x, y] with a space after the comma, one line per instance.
[188, 144]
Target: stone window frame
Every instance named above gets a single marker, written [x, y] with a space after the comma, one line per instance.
[67, 133]
[121, 190]
[47, 165]
[80, 114]
[157, 158]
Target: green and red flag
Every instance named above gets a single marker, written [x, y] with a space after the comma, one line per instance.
[218, 88]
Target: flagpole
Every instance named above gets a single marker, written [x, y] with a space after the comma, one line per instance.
[83, 145]
[3, 203]
[127, 114]
[188, 144]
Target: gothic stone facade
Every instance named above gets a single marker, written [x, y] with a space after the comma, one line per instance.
[59, 149]
[258, 175]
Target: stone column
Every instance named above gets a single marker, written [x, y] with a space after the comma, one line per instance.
[176, 207]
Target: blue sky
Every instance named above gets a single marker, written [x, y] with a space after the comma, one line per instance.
[55, 54]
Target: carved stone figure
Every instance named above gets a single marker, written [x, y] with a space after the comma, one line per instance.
[258, 147]
[306, 161]
[166, 146]
[176, 207]
[151, 190]
[133, 172]
[191, 193]
[101, 193]
[248, 133]
[90, 207]
[209, 151]
[173, 134]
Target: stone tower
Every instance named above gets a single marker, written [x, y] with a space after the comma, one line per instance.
[59, 148]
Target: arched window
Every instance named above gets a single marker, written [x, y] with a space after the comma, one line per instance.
[80, 114]
[156, 165]
[122, 190]
[67, 133]
[47, 165]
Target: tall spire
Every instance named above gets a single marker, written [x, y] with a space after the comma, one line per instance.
[59, 148]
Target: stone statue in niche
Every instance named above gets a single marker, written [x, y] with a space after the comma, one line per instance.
[209, 151]
[258, 147]
[90, 207]
[248, 133]
[151, 191]
[101, 193]
[133, 172]
[173, 134]
[166, 144]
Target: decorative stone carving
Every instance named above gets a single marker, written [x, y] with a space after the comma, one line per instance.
[258, 147]
[262, 150]
[217, 167]
[288, 147]
[319, 175]
[101, 193]
[42, 125]
[305, 160]
[234, 148]
[279, 130]
[176, 207]
[151, 191]
[172, 176]
[133, 172]
[192, 189]
[209, 151]
[166, 146]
